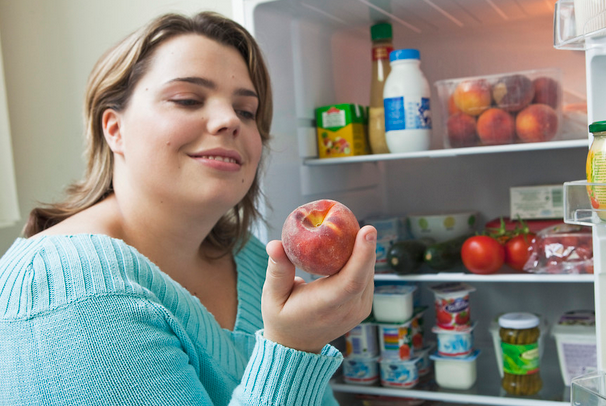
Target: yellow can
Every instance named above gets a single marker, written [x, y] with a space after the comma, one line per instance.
[596, 168]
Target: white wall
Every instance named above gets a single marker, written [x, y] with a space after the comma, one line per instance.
[49, 48]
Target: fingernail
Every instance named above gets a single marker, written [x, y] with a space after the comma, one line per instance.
[272, 260]
[371, 237]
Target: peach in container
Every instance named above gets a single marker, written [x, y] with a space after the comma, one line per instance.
[399, 373]
[454, 343]
[456, 373]
[505, 108]
[452, 305]
[361, 371]
[361, 341]
[393, 303]
[395, 341]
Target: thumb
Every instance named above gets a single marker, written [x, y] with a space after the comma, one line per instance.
[280, 277]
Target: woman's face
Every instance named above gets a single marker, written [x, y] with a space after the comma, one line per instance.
[188, 134]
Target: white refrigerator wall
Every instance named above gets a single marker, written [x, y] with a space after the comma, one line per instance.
[49, 48]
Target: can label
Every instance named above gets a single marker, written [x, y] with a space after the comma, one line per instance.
[596, 173]
[520, 359]
[407, 113]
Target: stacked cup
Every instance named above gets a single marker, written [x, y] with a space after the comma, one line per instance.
[361, 364]
[455, 356]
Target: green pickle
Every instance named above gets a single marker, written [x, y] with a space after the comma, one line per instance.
[519, 334]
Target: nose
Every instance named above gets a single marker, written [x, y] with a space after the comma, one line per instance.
[223, 120]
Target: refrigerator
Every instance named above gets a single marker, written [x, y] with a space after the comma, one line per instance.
[319, 53]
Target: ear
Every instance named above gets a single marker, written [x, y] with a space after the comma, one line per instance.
[110, 121]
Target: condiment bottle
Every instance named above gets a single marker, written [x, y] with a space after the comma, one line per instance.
[406, 99]
[596, 168]
[381, 35]
[519, 334]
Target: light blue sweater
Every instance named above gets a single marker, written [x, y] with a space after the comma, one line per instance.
[87, 319]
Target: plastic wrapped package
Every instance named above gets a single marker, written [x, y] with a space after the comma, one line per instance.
[561, 249]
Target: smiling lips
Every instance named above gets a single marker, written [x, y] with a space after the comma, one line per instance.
[219, 158]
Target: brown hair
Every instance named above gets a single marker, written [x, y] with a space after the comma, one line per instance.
[110, 86]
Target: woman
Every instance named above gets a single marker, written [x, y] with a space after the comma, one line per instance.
[143, 286]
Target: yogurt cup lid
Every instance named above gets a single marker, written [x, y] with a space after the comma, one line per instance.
[456, 330]
[452, 289]
[395, 289]
[578, 318]
[469, 358]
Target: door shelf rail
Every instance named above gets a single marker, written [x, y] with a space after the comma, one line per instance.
[580, 203]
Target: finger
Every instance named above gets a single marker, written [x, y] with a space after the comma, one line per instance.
[280, 276]
[358, 272]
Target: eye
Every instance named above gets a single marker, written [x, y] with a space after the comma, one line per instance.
[187, 102]
[247, 115]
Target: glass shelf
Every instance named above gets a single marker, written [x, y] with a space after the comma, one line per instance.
[498, 277]
[577, 204]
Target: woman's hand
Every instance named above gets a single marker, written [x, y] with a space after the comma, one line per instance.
[307, 316]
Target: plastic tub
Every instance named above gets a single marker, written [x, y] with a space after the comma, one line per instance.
[456, 373]
[393, 303]
[399, 373]
[395, 341]
[424, 364]
[575, 337]
[442, 226]
[361, 341]
[418, 327]
[361, 371]
[453, 311]
[454, 343]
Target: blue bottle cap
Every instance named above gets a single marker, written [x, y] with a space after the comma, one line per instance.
[404, 54]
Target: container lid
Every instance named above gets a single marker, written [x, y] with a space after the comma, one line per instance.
[452, 289]
[400, 54]
[578, 318]
[518, 321]
[468, 358]
[597, 126]
[458, 330]
[394, 289]
[381, 31]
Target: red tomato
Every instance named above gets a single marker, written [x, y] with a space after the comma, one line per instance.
[482, 254]
[517, 250]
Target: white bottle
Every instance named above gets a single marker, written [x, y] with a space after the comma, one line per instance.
[406, 99]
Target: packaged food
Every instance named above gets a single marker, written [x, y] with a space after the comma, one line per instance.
[456, 373]
[537, 202]
[596, 168]
[452, 305]
[341, 130]
[454, 343]
[361, 371]
[399, 373]
[361, 341]
[521, 362]
[424, 364]
[507, 108]
[381, 36]
[417, 325]
[395, 341]
[393, 303]
[561, 249]
[575, 337]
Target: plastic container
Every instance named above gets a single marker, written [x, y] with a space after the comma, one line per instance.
[399, 373]
[424, 364]
[443, 226]
[417, 325]
[395, 341]
[575, 337]
[381, 36]
[596, 167]
[456, 373]
[521, 362]
[506, 108]
[454, 343]
[362, 341]
[388, 232]
[393, 303]
[406, 98]
[453, 311]
[361, 371]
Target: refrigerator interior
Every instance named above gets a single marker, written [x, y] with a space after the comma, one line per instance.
[318, 52]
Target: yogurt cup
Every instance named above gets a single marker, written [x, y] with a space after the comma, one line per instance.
[452, 305]
[454, 343]
[393, 303]
[424, 363]
[361, 341]
[417, 327]
[456, 373]
[395, 341]
[361, 371]
[399, 373]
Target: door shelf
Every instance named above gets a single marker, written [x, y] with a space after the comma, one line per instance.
[578, 208]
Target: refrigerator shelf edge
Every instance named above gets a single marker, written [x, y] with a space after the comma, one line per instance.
[501, 278]
[451, 152]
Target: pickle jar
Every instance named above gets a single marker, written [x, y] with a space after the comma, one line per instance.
[519, 334]
[596, 168]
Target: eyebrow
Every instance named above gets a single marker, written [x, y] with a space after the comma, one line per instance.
[209, 84]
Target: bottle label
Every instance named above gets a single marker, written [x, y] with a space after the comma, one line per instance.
[520, 359]
[380, 53]
[407, 113]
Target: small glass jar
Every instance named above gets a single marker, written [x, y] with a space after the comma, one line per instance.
[519, 334]
[596, 168]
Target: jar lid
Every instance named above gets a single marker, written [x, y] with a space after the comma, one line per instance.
[518, 320]
[597, 126]
[400, 54]
[380, 31]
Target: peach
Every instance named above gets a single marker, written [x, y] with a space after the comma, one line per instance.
[461, 129]
[496, 126]
[318, 237]
[512, 93]
[537, 122]
[472, 96]
[452, 107]
[546, 91]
